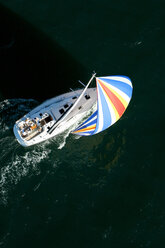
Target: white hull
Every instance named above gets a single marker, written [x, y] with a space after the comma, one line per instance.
[53, 117]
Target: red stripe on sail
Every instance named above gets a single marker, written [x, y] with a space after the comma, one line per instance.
[114, 99]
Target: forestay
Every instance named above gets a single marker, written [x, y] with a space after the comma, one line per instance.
[113, 96]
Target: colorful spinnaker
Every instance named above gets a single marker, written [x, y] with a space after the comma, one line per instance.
[113, 96]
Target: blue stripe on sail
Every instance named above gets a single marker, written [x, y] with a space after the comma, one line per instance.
[121, 76]
[90, 118]
[126, 88]
[88, 125]
[105, 110]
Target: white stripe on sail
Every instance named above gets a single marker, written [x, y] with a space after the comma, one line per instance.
[111, 110]
[99, 125]
[121, 79]
[121, 93]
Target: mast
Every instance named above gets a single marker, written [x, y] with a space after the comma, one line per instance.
[80, 95]
[75, 104]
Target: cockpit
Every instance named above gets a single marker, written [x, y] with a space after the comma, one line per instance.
[29, 128]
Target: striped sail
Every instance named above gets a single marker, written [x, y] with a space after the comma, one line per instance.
[113, 96]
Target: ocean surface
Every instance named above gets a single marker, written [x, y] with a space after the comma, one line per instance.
[107, 190]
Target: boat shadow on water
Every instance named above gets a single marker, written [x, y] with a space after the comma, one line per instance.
[32, 65]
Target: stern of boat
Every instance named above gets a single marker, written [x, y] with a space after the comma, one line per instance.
[17, 135]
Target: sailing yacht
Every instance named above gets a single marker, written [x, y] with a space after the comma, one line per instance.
[111, 97]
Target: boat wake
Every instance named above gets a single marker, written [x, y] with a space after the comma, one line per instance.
[19, 166]
[18, 162]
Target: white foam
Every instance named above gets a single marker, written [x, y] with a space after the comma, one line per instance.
[21, 166]
[16, 162]
[65, 136]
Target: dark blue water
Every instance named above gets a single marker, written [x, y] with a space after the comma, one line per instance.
[101, 191]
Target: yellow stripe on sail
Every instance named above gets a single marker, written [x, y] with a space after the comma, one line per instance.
[123, 101]
[110, 102]
[86, 129]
